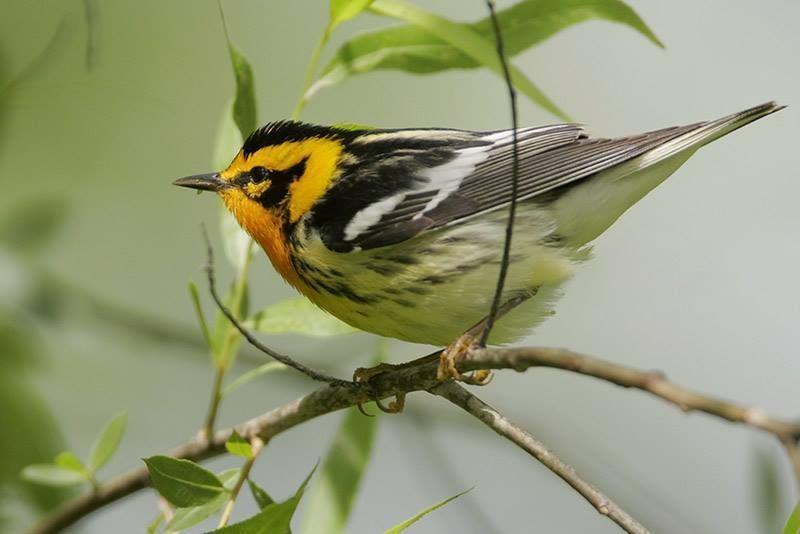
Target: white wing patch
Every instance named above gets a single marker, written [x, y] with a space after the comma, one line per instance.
[447, 178]
[504, 137]
[427, 134]
[368, 216]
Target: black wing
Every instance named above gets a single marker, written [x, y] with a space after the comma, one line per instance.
[403, 182]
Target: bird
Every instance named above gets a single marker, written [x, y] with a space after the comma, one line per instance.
[400, 232]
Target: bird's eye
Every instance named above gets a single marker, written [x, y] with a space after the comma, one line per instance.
[259, 174]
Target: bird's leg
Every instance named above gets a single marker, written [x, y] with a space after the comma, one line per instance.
[365, 374]
[447, 358]
[468, 341]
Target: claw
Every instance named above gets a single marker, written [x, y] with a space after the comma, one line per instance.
[365, 374]
[395, 406]
[363, 410]
[481, 377]
[456, 351]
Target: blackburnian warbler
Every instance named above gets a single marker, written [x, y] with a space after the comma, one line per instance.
[401, 232]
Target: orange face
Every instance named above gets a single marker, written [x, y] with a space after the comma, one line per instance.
[273, 187]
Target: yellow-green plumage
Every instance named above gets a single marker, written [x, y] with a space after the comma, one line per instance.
[401, 232]
[451, 282]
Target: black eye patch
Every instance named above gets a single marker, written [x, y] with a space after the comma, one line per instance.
[259, 174]
[256, 175]
[279, 181]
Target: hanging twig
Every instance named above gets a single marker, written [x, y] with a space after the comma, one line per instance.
[286, 360]
[512, 207]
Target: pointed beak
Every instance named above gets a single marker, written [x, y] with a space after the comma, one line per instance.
[203, 182]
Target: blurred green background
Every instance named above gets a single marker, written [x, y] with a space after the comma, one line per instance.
[698, 280]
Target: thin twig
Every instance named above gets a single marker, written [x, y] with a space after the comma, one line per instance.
[311, 70]
[286, 360]
[216, 399]
[500, 424]
[512, 207]
[256, 446]
[418, 377]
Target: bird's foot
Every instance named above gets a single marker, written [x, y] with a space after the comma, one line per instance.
[363, 375]
[458, 350]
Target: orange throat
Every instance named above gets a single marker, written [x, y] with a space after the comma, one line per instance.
[266, 227]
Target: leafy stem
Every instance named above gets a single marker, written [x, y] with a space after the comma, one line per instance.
[312, 69]
[256, 446]
[216, 400]
[224, 350]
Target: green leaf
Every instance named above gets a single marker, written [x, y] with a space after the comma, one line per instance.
[20, 342]
[184, 518]
[530, 22]
[24, 413]
[229, 477]
[228, 140]
[52, 475]
[413, 49]
[152, 527]
[401, 527]
[298, 316]
[468, 41]
[201, 318]
[235, 240]
[244, 106]
[262, 498]
[273, 519]
[244, 378]
[793, 522]
[107, 441]
[342, 471]
[31, 225]
[767, 491]
[68, 460]
[181, 482]
[239, 446]
[344, 10]
[238, 249]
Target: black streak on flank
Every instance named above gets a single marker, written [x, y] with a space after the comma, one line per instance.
[418, 290]
[385, 269]
[349, 294]
[404, 259]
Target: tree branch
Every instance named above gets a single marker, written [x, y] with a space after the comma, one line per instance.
[654, 382]
[421, 376]
[500, 424]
